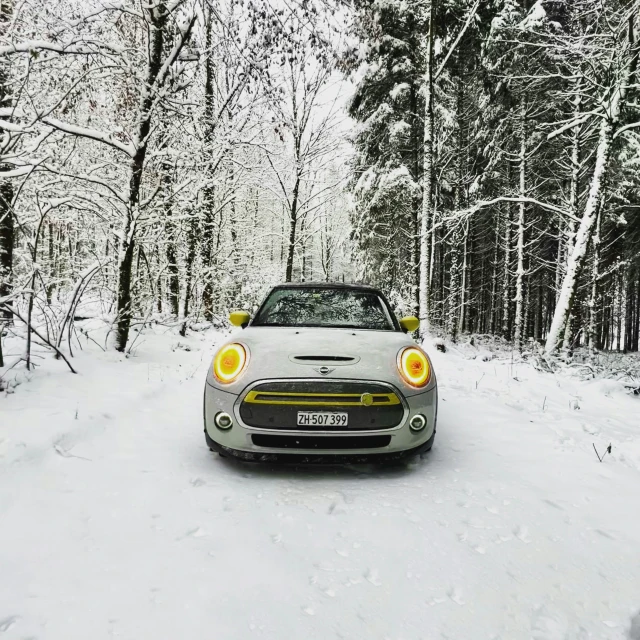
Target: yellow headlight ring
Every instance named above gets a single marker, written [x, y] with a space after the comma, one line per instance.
[229, 362]
[414, 375]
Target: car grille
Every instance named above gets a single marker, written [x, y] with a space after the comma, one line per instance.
[275, 405]
[320, 442]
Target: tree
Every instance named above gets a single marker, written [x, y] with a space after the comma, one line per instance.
[619, 69]
[165, 29]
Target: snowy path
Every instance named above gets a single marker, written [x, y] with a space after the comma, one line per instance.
[119, 523]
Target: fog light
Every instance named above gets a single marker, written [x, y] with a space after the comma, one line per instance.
[223, 421]
[418, 423]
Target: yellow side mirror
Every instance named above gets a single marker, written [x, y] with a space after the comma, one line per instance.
[410, 324]
[239, 318]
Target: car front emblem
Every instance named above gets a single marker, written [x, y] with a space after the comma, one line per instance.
[325, 371]
[366, 399]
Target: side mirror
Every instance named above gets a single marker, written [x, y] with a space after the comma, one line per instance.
[410, 324]
[239, 318]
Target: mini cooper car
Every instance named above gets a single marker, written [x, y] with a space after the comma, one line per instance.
[322, 370]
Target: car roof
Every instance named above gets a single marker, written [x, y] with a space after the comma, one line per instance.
[327, 285]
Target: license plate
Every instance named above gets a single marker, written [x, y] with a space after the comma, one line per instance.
[322, 419]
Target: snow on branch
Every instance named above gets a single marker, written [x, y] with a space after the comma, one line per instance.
[569, 125]
[14, 128]
[470, 16]
[86, 47]
[627, 127]
[185, 30]
[483, 204]
[93, 134]
[19, 172]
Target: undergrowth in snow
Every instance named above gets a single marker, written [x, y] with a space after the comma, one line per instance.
[623, 368]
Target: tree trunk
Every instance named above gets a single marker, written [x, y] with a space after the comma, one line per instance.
[7, 232]
[560, 260]
[519, 299]
[506, 327]
[303, 251]
[32, 294]
[416, 204]
[192, 239]
[208, 192]
[628, 316]
[583, 236]
[427, 180]
[619, 290]
[236, 286]
[463, 284]
[537, 322]
[454, 283]
[458, 237]
[293, 221]
[157, 25]
[526, 311]
[53, 264]
[493, 301]
[636, 327]
[573, 207]
[170, 234]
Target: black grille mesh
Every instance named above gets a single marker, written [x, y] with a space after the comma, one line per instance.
[378, 416]
[320, 442]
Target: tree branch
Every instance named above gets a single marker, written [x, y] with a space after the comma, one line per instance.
[92, 134]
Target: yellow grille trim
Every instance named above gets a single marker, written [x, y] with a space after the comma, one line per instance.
[341, 399]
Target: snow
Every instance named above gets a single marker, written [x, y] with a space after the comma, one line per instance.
[399, 131]
[116, 520]
[399, 91]
[536, 17]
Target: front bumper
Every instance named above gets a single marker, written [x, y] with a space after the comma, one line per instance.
[252, 443]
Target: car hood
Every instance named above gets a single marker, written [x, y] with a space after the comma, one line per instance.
[300, 352]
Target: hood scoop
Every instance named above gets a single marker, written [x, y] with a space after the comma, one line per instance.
[324, 359]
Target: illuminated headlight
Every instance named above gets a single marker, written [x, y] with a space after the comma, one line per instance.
[223, 421]
[418, 423]
[414, 366]
[229, 362]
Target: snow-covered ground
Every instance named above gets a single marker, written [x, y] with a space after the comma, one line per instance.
[117, 522]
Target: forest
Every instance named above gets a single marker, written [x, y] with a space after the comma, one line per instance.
[168, 162]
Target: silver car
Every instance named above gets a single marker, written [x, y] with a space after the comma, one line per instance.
[323, 371]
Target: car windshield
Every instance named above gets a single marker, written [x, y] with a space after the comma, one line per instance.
[324, 307]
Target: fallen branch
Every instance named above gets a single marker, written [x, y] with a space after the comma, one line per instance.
[608, 450]
[85, 333]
